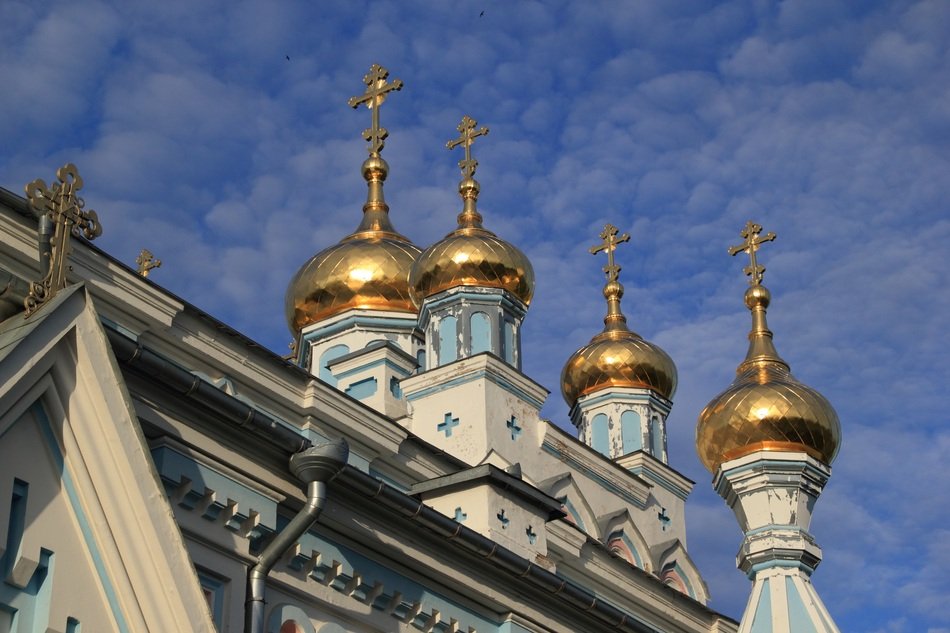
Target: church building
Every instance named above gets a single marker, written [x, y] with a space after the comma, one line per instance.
[161, 472]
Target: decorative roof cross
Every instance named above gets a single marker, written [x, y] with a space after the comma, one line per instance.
[611, 239]
[468, 132]
[65, 211]
[146, 262]
[376, 91]
[751, 245]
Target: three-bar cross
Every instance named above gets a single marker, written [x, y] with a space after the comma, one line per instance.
[65, 211]
[751, 245]
[468, 132]
[611, 239]
[376, 91]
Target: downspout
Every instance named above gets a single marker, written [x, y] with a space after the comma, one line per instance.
[315, 466]
[44, 231]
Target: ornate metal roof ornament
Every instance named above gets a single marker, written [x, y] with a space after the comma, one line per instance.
[65, 211]
[146, 262]
[376, 91]
[751, 245]
[468, 165]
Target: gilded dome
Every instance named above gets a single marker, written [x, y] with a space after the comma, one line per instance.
[367, 269]
[471, 256]
[617, 357]
[765, 407]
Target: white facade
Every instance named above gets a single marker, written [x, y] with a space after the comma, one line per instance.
[460, 509]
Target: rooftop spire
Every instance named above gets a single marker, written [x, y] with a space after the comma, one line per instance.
[375, 221]
[757, 298]
[613, 289]
[469, 218]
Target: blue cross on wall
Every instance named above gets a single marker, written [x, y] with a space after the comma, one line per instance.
[448, 424]
[664, 519]
[459, 515]
[532, 536]
[512, 425]
[504, 520]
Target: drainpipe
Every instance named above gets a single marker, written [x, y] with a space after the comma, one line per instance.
[315, 466]
[44, 230]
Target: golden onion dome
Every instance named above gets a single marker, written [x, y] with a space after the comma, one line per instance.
[765, 408]
[616, 357]
[471, 255]
[368, 269]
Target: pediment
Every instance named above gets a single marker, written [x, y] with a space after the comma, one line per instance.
[77, 488]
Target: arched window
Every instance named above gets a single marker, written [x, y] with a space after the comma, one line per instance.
[630, 432]
[421, 359]
[481, 333]
[599, 436]
[656, 438]
[324, 373]
[510, 342]
[448, 333]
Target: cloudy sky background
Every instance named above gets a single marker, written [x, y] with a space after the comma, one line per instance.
[828, 122]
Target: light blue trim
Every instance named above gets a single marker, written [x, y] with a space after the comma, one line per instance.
[622, 536]
[786, 564]
[172, 466]
[631, 432]
[571, 510]
[323, 371]
[46, 428]
[337, 566]
[798, 618]
[776, 526]
[396, 323]
[600, 434]
[382, 362]
[782, 464]
[648, 398]
[510, 341]
[362, 388]
[478, 375]
[480, 327]
[216, 587]
[762, 620]
[494, 296]
[448, 340]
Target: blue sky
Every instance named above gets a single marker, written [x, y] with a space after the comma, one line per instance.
[828, 122]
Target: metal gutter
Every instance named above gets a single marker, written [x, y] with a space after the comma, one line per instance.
[531, 574]
[137, 357]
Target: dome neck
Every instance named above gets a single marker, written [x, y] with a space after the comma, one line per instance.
[469, 218]
[375, 223]
[761, 348]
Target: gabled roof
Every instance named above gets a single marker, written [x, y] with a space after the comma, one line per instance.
[60, 386]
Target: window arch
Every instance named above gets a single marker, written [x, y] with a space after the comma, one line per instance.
[631, 433]
[324, 373]
[599, 434]
[481, 332]
[448, 332]
[656, 437]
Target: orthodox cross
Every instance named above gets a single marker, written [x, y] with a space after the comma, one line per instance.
[468, 136]
[611, 239]
[65, 211]
[751, 245]
[146, 262]
[376, 91]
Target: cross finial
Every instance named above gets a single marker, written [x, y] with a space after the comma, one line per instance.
[751, 244]
[376, 91]
[65, 211]
[146, 262]
[611, 239]
[468, 132]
